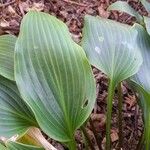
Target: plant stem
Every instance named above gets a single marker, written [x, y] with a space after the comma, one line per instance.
[141, 142]
[120, 101]
[75, 3]
[108, 114]
[87, 138]
[72, 144]
[95, 134]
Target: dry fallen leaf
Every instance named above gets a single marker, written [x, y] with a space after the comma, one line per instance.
[130, 101]
[114, 136]
[36, 6]
[11, 10]
[98, 120]
[23, 6]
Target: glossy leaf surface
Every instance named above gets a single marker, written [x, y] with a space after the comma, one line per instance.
[7, 47]
[111, 47]
[53, 75]
[15, 116]
[125, 7]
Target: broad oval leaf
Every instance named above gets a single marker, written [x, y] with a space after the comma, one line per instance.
[7, 47]
[53, 75]
[15, 115]
[20, 146]
[142, 80]
[111, 47]
[125, 7]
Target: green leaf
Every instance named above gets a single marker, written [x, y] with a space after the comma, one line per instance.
[144, 97]
[7, 46]
[125, 7]
[15, 116]
[2, 147]
[147, 24]
[111, 47]
[20, 146]
[53, 75]
[146, 4]
[142, 79]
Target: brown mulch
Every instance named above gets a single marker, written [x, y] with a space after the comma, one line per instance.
[72, 13]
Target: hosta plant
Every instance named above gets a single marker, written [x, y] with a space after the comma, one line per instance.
[46, 81]
[7, 46]
[53, 76]
[112, 48]
[142, 77]
[16, 118]
[142, 83]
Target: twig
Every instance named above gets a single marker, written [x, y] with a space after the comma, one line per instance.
[97, 93]
[95, 134]
[7, 4]
[86, 135]
[75, 3]
[9, 28]
[120, 101]
[136, 119]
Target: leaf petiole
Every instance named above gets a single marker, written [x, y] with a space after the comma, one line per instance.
[120, 101]
[72, 144]
[111, 91]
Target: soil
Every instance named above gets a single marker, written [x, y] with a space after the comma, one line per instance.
[72, 13]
